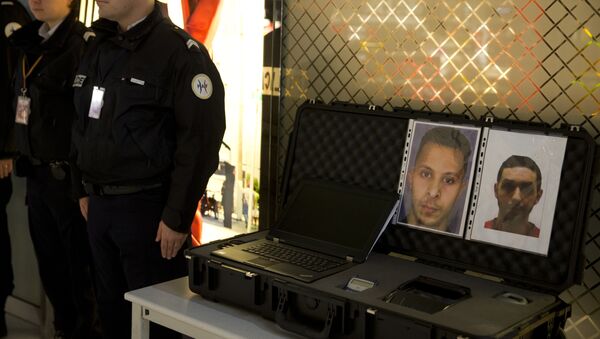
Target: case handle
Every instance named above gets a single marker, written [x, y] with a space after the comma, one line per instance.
[283, 317]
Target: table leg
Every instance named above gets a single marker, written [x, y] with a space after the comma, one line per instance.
[140, 327]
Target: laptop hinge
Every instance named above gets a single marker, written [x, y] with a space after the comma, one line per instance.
[349, 258]
[276, 240]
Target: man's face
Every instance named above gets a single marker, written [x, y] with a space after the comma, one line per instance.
[114, 9]
[49, 10]
[435, 181]
[517, 193]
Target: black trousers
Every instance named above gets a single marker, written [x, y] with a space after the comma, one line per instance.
[6, 272]
[60, 242]
[122, 230]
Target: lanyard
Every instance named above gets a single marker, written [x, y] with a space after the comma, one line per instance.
[28, 73]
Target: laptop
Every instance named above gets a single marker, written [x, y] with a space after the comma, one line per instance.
[325, 228]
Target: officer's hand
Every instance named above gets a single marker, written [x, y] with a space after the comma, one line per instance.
[6, 167]
[170, 241]
[83, 206]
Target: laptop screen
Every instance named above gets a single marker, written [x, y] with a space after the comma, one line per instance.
[347, 217]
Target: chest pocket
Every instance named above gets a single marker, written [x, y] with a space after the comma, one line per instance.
[145, 118]
[52, 98]
[52, 83]
[142, 90]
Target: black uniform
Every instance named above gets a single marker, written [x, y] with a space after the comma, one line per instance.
[58, 230]
[147, 156]
[12, 16]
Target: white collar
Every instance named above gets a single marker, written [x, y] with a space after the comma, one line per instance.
[135, 23]
[45, 31]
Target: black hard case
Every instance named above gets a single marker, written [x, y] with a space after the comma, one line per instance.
[364, 146]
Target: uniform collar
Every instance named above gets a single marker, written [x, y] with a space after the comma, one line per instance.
[29, 40]
[133, 37]
[46, 32]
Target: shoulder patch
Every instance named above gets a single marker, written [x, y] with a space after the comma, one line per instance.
[202, 86]
[88, 35]
[10, 28]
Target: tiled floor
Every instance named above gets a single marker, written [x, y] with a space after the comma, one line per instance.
[21, 329]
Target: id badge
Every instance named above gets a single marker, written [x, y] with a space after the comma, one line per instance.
[23, 110]
[97, 102]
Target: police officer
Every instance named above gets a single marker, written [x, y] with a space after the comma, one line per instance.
[12, 16]
[150, 104]
[50, 49]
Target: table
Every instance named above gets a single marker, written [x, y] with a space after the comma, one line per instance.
[173, 305]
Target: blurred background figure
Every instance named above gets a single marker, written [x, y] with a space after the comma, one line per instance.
[227, 193]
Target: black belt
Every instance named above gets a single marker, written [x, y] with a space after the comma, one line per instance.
[54, 163]
[57, 167]
[38, 162]
[97, 189]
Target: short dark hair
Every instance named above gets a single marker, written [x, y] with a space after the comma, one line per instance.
[448, 137]
[74, 7]
[521, 161]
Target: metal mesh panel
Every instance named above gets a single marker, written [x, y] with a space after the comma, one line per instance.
[536, 60]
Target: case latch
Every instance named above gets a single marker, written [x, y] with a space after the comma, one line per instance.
[371, 311]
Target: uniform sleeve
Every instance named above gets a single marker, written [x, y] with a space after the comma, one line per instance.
[77, 189]
[12, 17]
[199, 108]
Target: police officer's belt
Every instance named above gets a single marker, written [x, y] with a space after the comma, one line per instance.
[58, 168]
[96, 189]
[38, 162]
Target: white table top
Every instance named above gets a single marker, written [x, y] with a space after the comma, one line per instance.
[175, 299]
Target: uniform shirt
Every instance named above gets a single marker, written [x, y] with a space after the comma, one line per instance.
[12, 16]
[47, 136]
[46, 32]
[163, 113]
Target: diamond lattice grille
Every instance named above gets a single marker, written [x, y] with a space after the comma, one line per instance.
[535, 60]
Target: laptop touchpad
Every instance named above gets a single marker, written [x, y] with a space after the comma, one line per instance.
[263, 262]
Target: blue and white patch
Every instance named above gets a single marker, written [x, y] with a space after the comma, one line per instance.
[79, 80]
[10, 28]
[202, 86]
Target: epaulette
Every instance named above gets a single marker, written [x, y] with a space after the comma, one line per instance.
[191, 44]
[10, 28]
[89, 36]
[7, 3]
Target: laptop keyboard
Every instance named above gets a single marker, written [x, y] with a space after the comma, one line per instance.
[285, 254]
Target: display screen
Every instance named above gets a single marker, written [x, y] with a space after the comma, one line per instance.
[340, 214]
